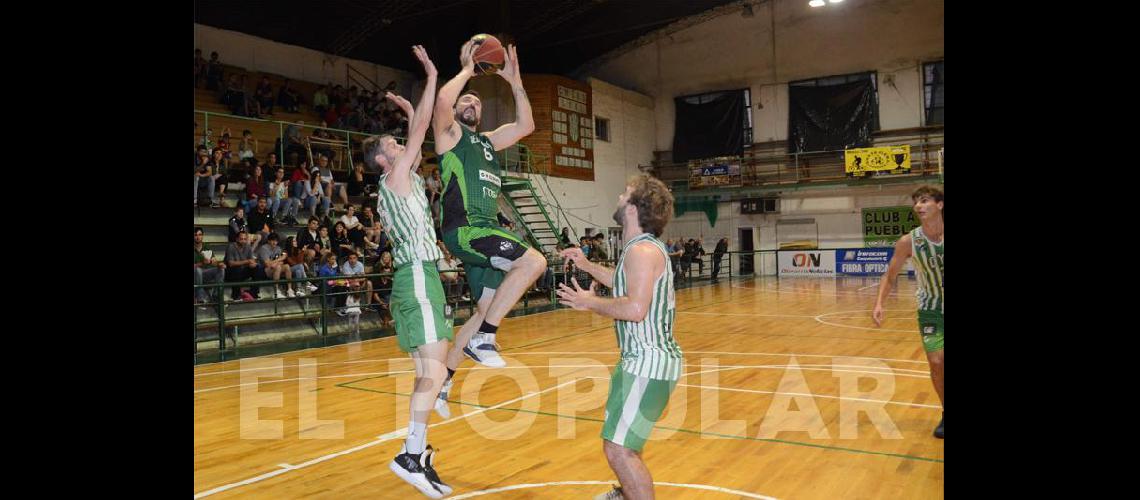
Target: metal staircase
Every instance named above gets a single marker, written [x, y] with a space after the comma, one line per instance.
[523, 203]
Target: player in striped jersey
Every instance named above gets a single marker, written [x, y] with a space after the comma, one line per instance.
[923, 246]
[417, 301]
[642, 307]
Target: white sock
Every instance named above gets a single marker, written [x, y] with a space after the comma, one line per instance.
[417, 438]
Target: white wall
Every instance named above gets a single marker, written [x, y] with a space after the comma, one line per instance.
[893, 37]
[838, 216]
[591, 204]
[259, 54]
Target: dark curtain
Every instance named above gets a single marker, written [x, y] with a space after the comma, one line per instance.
[715, 127]
[834, 117]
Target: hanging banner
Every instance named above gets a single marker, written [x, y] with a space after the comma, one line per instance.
[719, 174]
[893, 159]
[883, 226]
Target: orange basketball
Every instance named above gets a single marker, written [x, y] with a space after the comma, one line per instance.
[489, 54]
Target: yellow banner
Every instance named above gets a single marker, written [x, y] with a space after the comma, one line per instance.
[890, 158]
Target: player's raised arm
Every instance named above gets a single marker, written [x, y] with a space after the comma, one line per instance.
[510, 133]
[443, 121]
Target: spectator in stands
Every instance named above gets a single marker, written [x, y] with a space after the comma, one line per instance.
[382, 283]
[204, 174]
[260, 221]
[271, 162]
[255, 188]
[320, 100]
[314, 194]
[448, 267]
[294, 142]
[208, 141]
[718, 254]
[341, 245]
[434, 186]
[206, 269]
[264, 97]
[332, 188]
[295, 258]
[234, 96]
[240, 265]
[281, 206]
[224, 145]
[218, 166]
[247, 148]
[356, 184]
[298, 178]
[564, 238]
[598, 248]
[329, 269]
[584, 244]
[309, 239]
[353, 267]
[271, 265]
[675, 251]
[200, 66]
[213, 72]
[288, 98]
[371, 228]
[354, 226]
[238, 225]
[326, 244]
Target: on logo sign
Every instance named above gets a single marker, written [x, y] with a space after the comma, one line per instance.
[804, 259]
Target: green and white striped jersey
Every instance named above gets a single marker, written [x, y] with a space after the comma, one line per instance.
[647, 347]
[927, 259]
[408, 222]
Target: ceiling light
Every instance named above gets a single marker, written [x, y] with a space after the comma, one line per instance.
[816, 3]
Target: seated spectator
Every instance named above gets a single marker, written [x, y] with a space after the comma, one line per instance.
[281, 206]
[354, 226]
[255, 188]
[320, 100]
[238, 225]
[200, 67]
[597, 248]
[240, 265]
[357, 186]
[271, 265]
[218, 166]
[263, 97]
[207, 270]
[204, 174]
[301, 175]
[448, 267]
[247, 148]
[353, 267]
[326, 244]
[224, 145]
[208, 141]
[341, 245]
[294, 142]
[260, 221]
[332, 188]
[288, 98]
[297, 260]
[213, 72]
[234, 96]
[332, 287]
[314, 194]
[270, 164]
[382, 284]
[371, 227]
[309, 238]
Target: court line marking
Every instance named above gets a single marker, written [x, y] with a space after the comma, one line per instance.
[285, 467]
[818, 318]
[608, 483]
[809, 367]
[535, 353]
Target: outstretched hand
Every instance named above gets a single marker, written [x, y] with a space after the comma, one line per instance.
[576, 297]
[421, 54]
[467, 56]
[400, 102]
[510, 71]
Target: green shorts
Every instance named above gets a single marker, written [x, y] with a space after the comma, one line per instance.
[417, 305]
[634, 406]
[931, 327]
[487, 254]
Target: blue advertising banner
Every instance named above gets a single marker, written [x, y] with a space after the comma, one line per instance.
[863, 261]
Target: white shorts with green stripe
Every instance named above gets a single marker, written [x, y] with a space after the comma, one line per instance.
[633, 408]
[418, 306]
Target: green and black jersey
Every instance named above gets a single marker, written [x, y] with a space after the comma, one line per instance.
[471, 183]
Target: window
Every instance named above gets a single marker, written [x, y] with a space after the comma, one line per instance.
[840, 79]
[602, 128]
[703, 98]
[933, 90]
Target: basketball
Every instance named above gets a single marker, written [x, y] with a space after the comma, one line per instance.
[489, 54]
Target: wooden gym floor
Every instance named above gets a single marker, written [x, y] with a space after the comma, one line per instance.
[789, 391]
